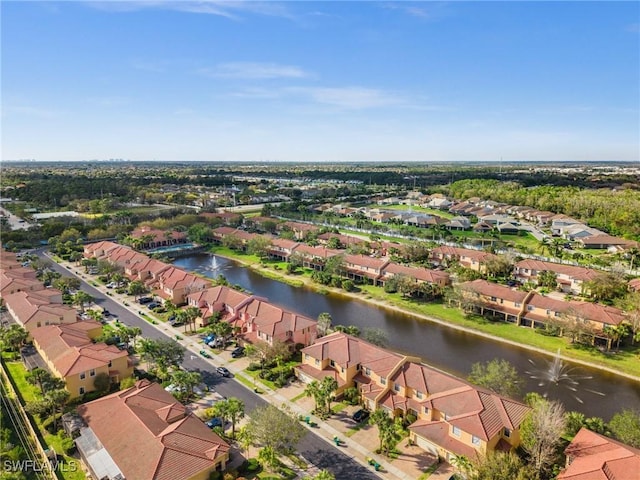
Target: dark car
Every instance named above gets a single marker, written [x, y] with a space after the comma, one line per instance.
[237, 352]
[106, 313]
[143, 300]
[214, 422]
[153, 305]
[360, 416]
[223, 371]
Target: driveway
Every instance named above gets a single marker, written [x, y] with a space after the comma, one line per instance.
[312, 447]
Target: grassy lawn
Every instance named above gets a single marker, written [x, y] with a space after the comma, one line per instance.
[30, 393]
[298, 397]
[623, 361]
[340, 406]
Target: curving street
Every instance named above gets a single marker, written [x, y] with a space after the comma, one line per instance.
[312, 447]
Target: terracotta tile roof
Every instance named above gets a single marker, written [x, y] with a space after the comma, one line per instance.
[176, 444]
[489, 289]
[634, 284]
[219, 297]
[347, 351]
[591, 456]
[28, 309]
[174, 278]
[284, 243]
[11, 283]
[304, 227]
[579, 273]
[438, 433]
[320, 252]
[273, 320]
[477, 255]
[420, 274]
[320, 374]
[367, 262]
[425, 379]
[71, 350]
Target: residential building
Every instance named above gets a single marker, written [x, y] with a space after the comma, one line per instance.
[69, 352]
[451, 416]
[417, 274]
[34, 309]
[154, 437]
[473, 259]
[569, 278]
[591, 456]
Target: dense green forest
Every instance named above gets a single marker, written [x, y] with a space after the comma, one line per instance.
[616, 211]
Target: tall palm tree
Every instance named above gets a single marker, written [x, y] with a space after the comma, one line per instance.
[314, 390]
[235, 411]
[80, 299]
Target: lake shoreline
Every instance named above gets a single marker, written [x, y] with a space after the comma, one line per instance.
[297, 282]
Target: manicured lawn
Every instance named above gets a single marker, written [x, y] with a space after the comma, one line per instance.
[414, 208]
[27, 391]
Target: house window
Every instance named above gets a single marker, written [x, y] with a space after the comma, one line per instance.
[418, 394]
[367, 372]
[81, 390]
[475, 440]
[317, 362]
[306, 356]
[493, 299]
[556, 314]
[82, 376]
[548, 312]
[507, 433]
[517, 304]
[396, 387]
[426, 410]
[446, 417]
[332, 363]
[530, 308]
[92, 373]
[455, 431]
[110, 363]
[383, 380]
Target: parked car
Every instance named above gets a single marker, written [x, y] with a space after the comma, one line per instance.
[143, 300]
[153, 305]
[205, 354]
[360, 416]
[223, 371]
[111, 285]
[106, 313]
[209, 338]
[237, 352]
[215, 343]
[214, 422]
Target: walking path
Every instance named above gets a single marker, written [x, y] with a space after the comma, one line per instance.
[410, 465]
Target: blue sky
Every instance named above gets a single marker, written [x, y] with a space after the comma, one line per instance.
[321, 81]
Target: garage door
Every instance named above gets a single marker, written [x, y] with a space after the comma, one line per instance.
[426, 445]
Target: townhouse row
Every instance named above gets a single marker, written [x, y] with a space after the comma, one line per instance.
[532, 309]
[253, 318]
[450, 416]
[64, 341]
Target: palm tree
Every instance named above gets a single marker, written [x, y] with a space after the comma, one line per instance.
[222, 330]
[314, 390]
[80, 299]
[13, 337]
[328, 386]
[323, 475]
[192, 314]
[235, 411]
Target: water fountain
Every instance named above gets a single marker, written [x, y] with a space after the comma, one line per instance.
[557, 374]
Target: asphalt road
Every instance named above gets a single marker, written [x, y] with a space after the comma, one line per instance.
[312, 447]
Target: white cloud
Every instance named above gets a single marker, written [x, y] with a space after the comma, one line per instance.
[30, 111]
[228, 9]
[254, 71]
[353, 98]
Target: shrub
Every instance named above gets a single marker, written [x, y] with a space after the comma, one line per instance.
[253, 366]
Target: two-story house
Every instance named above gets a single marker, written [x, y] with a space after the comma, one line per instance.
[473, 259]
[417, 274]
[450, 416]
[71, 355]
[569, 278]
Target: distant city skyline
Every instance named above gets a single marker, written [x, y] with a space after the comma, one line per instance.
[321, 81]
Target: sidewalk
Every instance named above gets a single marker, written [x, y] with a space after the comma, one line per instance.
[359, 443]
